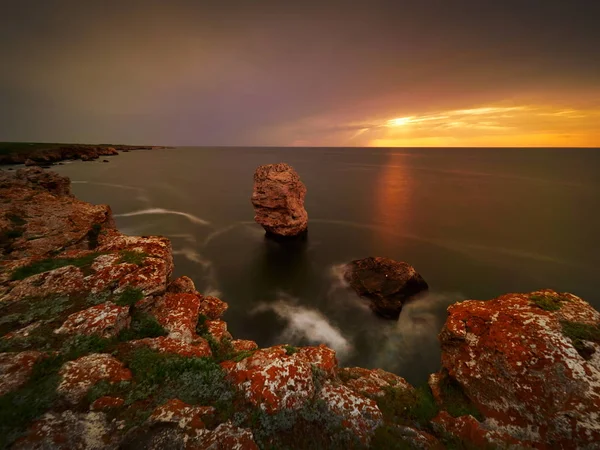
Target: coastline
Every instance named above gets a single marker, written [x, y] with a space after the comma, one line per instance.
[42, 154]
[86, 306]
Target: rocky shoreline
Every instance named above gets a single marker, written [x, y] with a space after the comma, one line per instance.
[48, 154]
[101, 348]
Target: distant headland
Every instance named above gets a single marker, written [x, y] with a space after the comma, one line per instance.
[45, 154]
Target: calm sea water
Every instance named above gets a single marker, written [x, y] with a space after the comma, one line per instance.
[476, 223]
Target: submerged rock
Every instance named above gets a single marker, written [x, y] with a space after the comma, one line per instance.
[278, 200]
[521, 360]
[388, 284]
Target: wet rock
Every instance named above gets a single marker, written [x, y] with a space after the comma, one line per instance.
[512, 359]
[78, 376]
[106, 320]
[358, 413]
[16, 368]
[30, 162]
[199, 348]
[388, 284]
[69, 430]
[105, 160]
[278, 200]
[371, 382]
[274, 379]
[178, 314]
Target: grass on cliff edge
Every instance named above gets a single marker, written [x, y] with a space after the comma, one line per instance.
[580, 332]
[46, 265]
[549, 302]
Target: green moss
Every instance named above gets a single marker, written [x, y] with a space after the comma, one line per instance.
[548, 302]
[81, 345]
[33, 309]
[97, 298]
[163, 376]
[290, 349]
[201, 328]
[242, 355]
[143, 325]
[19, 407]
[104, 388]
[403, 406]
[390, 437]
[53, 263]
[132, 257]
[580, 332]
[455, 402]
[129, 296]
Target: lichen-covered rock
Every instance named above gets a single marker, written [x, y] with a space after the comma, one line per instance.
[371, 382]
[178, 313]
[470, 432]
[182, 285]
[16, 368]
[512, 360]
[50, 181]
[242, 345]
[64, 280]
[78, 376]
[225, 437]
[199, 348]
[212, 307]
[106, 402]
[273, 379]
[278, 200]
[217, 329]
[106, 320]
[187, 417]
[69, 430]
[358, 413]
[388, 284]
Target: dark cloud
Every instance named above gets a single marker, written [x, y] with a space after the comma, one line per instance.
[241, 72]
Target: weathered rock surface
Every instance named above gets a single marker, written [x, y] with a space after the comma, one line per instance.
[388, 284]
[516, 362]
[78, 376]
[371, 382]
[15, 369]
[278, 200]
[105, 320]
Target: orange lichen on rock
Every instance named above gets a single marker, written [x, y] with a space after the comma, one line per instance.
[512, 360]
[187, 417]
[78, 376]
[106, 402]
[242, 345]
[178, 313]
[198, 349]
[217, 329]
[371, 382]
[212, 307]
[106, 320]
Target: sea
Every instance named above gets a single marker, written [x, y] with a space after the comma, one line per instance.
[476, 223]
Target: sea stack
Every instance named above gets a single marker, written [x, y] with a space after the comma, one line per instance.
[278, 200]
[388, 284]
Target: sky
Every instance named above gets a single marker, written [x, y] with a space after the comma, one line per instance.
[301, 73]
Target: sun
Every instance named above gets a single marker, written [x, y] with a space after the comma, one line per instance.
[399, 122]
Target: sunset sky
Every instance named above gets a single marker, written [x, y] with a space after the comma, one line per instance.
[303, 73]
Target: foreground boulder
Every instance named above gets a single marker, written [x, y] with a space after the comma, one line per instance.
[388, 284]
[278, 200]
[529, 363]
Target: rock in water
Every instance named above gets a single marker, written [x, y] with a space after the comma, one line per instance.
[278, 200]
[387, 283]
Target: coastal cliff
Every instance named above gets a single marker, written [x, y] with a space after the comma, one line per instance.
[32, 154]
[101, 348]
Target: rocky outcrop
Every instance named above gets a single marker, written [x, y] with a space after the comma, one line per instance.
[278, 200]
[388, 284]
[526, 361]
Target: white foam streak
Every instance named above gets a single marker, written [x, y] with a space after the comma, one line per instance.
[143, 212]
[309, 324]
